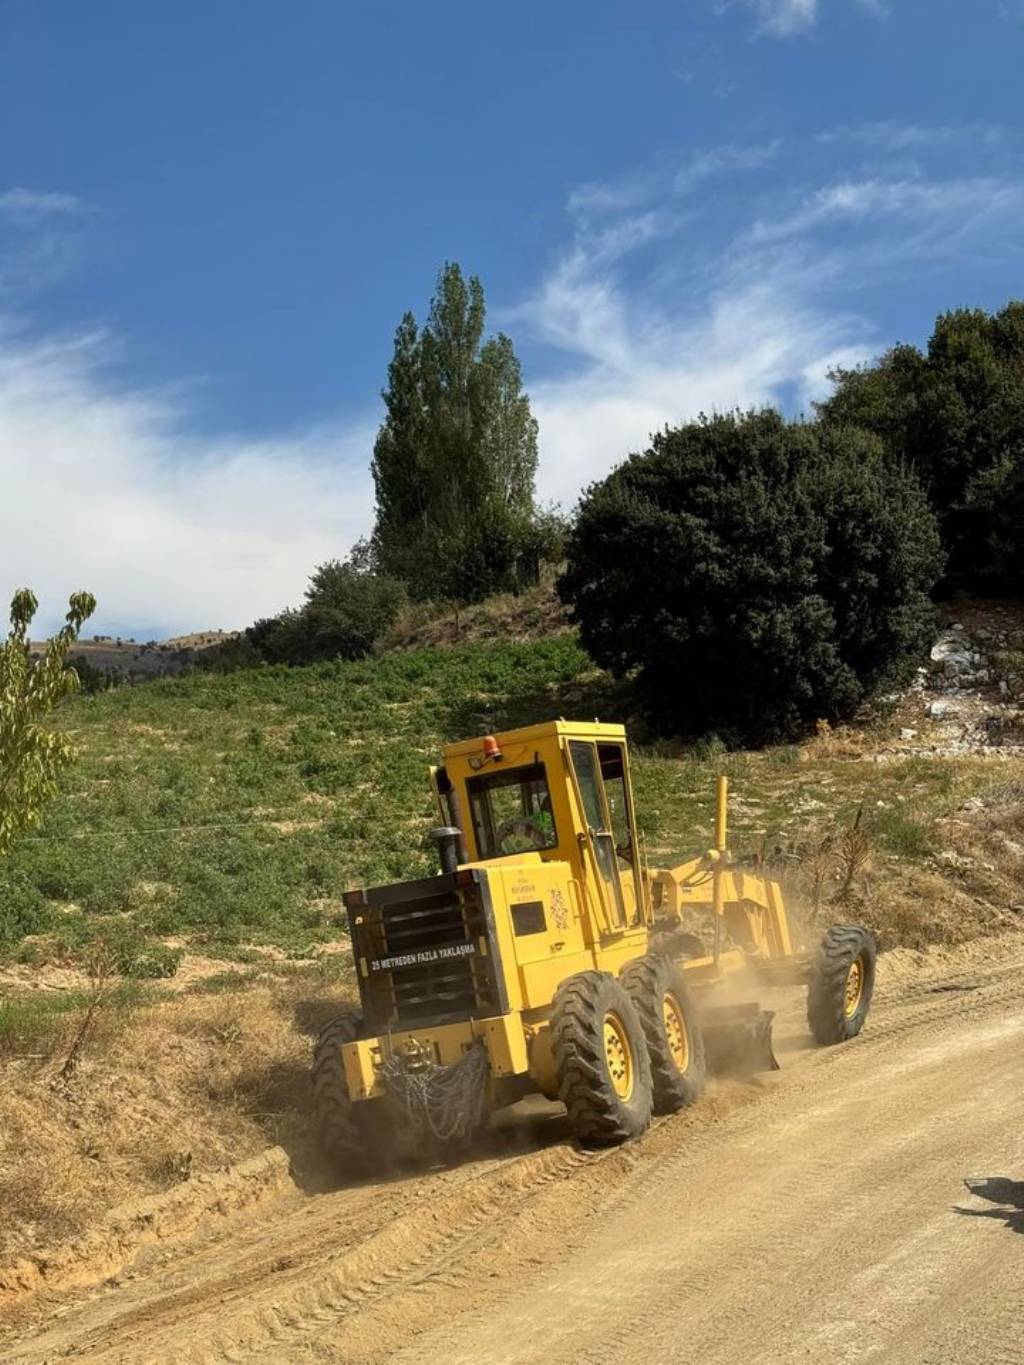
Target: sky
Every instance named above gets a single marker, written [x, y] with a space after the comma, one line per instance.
[214, 213]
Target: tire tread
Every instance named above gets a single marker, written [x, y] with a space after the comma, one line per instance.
[597, 1115]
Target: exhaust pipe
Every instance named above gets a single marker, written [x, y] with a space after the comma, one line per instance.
[448, 839]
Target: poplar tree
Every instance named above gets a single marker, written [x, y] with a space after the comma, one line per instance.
[455, 459]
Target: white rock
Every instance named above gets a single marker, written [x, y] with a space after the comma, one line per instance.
[938, 710]
[907, 733]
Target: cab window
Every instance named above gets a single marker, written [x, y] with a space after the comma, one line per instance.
[613, 771]
[511, 812]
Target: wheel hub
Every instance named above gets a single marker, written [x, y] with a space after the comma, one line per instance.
[854, 987]
[618, 1055]
[676, 1033]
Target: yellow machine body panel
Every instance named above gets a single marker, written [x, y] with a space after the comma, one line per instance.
[561, 790]
[503, 1037]
[548, 880]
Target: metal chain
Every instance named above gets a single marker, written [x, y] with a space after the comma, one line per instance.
[447, 1102]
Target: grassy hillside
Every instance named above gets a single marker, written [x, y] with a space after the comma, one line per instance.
[227, 813]
[237, 807]
[213, 822]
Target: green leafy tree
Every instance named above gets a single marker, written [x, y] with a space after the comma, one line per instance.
[348, 607]
[955, 413]
[754, 575]
[33, 756]
[455, 459]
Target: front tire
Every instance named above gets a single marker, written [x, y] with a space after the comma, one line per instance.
[842, 984]
[668, 1018]
[604, 1075]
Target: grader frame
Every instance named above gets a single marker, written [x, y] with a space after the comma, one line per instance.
[548, 943]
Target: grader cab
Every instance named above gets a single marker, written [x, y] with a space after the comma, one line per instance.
[547, 956]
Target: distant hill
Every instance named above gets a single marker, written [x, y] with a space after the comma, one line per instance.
[136, 660]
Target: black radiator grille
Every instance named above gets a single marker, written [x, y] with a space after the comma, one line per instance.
[425, 953]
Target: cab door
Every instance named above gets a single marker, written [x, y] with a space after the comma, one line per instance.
[606, 826]
[614, 764]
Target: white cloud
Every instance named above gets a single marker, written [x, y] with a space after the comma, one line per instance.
[608, 198]
[662, 305]
[887, 135]
[761, 320]
[784, 18]
[733, 348]
[723, 160]
[23, 204]
[39, 237]
[106, 489]
[937, 215]
[631, 192]
[779, 18]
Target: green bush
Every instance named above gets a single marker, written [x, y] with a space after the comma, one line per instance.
[346, 611]
[347, 608]
[90, 678]
[755, 575]
[956, 414]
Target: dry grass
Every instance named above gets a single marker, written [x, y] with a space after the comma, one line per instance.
[968, 884]
[839, 742]
[196, 1081]
[178, 1087]
[533, 614]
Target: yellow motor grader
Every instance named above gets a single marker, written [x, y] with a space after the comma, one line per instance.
[546, 956]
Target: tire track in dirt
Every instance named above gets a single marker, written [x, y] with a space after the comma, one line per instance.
[307, 1267]
[747, 1256]
[359, 1275]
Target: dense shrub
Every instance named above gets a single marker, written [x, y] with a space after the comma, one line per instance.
[90, 678]
[347, 608]
[757, 575]
[956, 414]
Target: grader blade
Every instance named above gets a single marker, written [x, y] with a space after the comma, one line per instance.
[738, 1038]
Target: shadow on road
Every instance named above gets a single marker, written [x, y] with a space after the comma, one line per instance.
[998, 1189]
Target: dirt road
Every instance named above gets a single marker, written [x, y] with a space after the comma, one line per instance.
[821, 1216]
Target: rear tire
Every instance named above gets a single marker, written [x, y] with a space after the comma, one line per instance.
[668, 1018]
[604, 1075]
[842, 983]
[356, 1136]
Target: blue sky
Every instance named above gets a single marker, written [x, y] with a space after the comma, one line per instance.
[212, 216]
